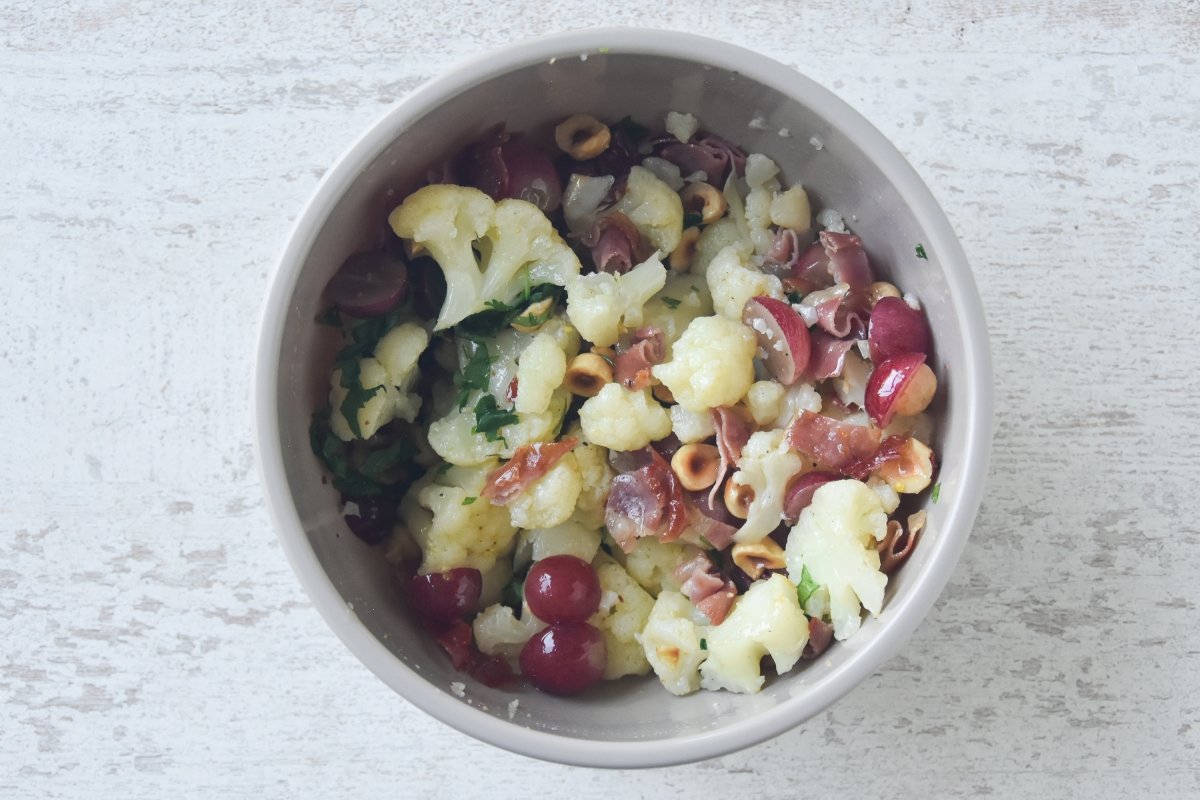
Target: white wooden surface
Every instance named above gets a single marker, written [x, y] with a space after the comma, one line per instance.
[154, 641]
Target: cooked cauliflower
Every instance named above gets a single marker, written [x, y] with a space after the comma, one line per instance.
[619, 419]
[767, 465]
[498, 632]
[601, 305]
[570, 539]
[691, 426]
[765, 401]
[596, 475]
[451, 531]
[715, 238]
[712, 364]
[550, 500]
[451, 437]
[835, 540]
[797, 398]
[671, 642]
[448, 220]
[732, 283]
[621, 619]
[888, 497]
[764, 186]
[652, 563]
[681, 300]
[791, 209]
[766, 620]
[394, 367]
[540, 371]
[653, 208]
[682, 126]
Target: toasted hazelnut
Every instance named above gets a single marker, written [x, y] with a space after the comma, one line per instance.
[912, 471]
[681, 257]
[582, 136]
[696, 465]
[587, 374]
[754, 557]
[662, 393]
[705, 199]
[917, 393]
[738, 497]
[535, 311]
[882, 289]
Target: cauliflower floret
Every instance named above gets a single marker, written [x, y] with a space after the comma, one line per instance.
[791, 209]
[767, 465]
[652, 563]
[653, 208]
[691, 426]
[570, 539]
[540, 371]
[712, 364]
[682, 126]
[517, 236]
[766, 620]
[835, 540]
[888, 497]
[619, 419]
[596, 475]
[671, 642]
[732, 283]
[451, 529]
[621, 618]
[394, 367]
[681, 300]
[715, 238]
[601, 304]
[550, 500]
[452, 438]
[498, 632]
[760, 176]
[851, 385]
[797, 398]
[765, 401]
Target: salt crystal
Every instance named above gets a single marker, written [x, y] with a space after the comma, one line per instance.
[458, 689]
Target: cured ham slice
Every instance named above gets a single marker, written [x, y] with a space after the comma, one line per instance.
[832, 444]
[529, 462]
[631, 367]
[647, 501]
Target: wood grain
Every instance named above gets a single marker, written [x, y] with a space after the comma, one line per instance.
[156, 642]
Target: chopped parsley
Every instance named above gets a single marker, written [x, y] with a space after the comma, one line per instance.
[691, 219]
[670, 302]
[490, 418]
[443, 469]
[370, 478]
[937, 490]
[631, 129]
[469, 500]
[513, 594]
[703, 644]
[363, 338]
[921, 251]
[794, 297]
[475, 375]
[330, 317]
[806, 588]
[499, 315]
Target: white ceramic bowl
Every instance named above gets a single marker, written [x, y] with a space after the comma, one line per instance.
[611, 73]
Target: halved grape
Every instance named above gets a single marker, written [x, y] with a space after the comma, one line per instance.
[896, 328]
[443, 597]
[562, 589]
[565, 658]
[369, 284]
[783, 340]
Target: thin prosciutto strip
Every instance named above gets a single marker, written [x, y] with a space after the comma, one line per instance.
[809, 270]
[631, 367]
[709, 518]
[898, 545]
[890, 449]
[828, 355]
[732, 435]
[645, 501]
[711, 594]
[820, 636]
[848, 262]
[529, 462]
[834, 445]
[705, 153]
[615, 243]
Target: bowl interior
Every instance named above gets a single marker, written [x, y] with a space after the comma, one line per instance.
[795, 126]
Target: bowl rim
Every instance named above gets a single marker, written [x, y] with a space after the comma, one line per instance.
[904, 613]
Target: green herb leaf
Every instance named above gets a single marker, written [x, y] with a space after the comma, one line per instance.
[691, 219]
[937, 491]
[806, 588]
[367, 480]
[469, 500]
[475, 375]
[330, 317]
[513, 594]
[486, 324]
[632, 129]
[379, 463]
[363, 338]
[670, 302]
[794, 297]
[703, 644]
[921, 252]
[442, 470]
[490, 418]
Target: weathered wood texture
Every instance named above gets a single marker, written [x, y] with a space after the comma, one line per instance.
[155, 642]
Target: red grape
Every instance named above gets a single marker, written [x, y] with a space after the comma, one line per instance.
[562, 589]
[565, 658]
[443, 597]
[369, 284]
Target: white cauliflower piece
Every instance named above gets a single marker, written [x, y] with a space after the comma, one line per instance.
[652, 563]
[601, 304]
[851, 385]
[691, 426]
[550, 500]
[767, 465]
[835, 540]
[681, 300]
[671, 643]
[596, 475]
[619, 419]
[653, 208]
[732, 283]
[452, 437]
[498, 632]
[452, 529]
[791, 209]
[764, 400]
[712, 364]
[568, 539]
[766, 620]
[392, 366]
[682, 126]
[888, 497]
[760, 176]
[723, 233]
[623, 620]
[540, 371]
[448, 220]
[797, 398]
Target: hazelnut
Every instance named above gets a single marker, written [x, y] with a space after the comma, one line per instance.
[681, 257]
[696, 466]
[582, 137]
[587, 374]
[705, 199]
[918, 393]
[738, 497]
[754, 557]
